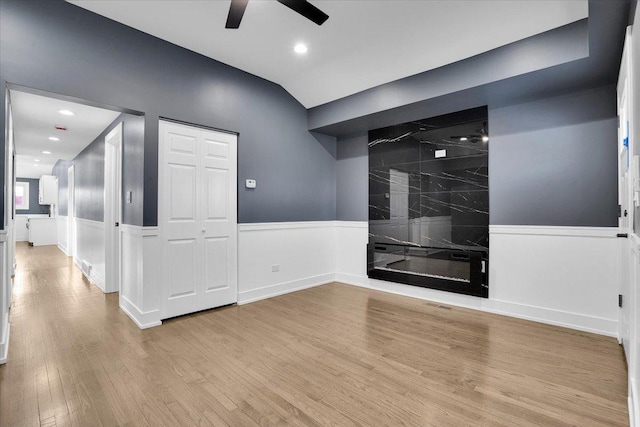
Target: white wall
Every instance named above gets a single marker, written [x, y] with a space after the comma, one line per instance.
[63, 233]
[140, 282]
[90, 248]
[20, 227]
[304, 252]
[565, 276]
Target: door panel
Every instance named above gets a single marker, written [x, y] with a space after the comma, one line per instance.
[182, 268]
[182, 144]
[217, 149]
[217, 252]
[182, 185]
[197, 218]
[216, 189]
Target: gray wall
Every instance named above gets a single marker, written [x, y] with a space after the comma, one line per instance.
[34, 192]
[552, 162]
[89, 172]
[55, 46]
[352, 182]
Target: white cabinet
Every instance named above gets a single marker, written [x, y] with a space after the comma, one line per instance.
[42, 231]
[48, 194]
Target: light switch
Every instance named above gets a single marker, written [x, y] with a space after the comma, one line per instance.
[250, 183]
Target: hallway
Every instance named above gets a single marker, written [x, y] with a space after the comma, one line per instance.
[332, 354]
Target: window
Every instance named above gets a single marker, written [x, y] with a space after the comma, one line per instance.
[22, 195]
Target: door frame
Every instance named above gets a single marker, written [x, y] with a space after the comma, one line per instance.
[71, 212]
[113, 207]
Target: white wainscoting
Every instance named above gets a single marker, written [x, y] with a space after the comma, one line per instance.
[566, 276]
[20, 228]
[304, 252]
[139, 282]
[63, 234]
[90, 249]
[5, 296]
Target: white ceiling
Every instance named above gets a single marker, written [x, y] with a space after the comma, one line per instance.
[364, 43]
[34, 121]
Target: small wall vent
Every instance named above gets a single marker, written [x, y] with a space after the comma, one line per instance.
[86, 268]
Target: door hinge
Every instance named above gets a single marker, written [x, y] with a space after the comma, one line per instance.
[620, 300]
[117, 224]
[619, 211]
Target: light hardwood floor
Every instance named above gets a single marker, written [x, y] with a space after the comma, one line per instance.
[331, 355]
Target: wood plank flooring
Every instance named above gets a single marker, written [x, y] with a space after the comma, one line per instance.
[334, 355]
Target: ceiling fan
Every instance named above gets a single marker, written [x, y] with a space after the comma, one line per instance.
[303, 7]
[480, 135]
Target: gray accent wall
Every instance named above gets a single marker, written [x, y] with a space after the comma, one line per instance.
[552, 162]
[54, 46]
[352, 179]
[89, 172]
[34, 192]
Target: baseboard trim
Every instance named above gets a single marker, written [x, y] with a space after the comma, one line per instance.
[63, 250]
[95, 280]
[563, 319]
[143, 320]
[277, 289]
[580, 322]
[4, 344]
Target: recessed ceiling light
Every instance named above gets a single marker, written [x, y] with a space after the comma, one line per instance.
[35, 164]
[300, 48]
[46, 152]
[54, 138]
[464, 138]
[36, 160]
[66, 112]
[485, 138]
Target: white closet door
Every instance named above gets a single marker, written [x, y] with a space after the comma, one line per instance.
[198, 218]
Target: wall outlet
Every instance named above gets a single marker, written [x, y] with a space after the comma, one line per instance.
[275, 267]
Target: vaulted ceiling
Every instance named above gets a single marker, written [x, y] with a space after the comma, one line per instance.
[363, 44]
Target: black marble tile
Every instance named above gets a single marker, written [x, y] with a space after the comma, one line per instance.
[379, 208]
[464, 207]
[394, 150]
[452, 149]
[435, 204]
[382, 179]
[460, 237]
[418, 199]
[469, 179]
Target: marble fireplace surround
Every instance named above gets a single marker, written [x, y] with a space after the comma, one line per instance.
[429, 203]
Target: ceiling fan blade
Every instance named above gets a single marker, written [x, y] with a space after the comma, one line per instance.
[236, 11]
[306, 9]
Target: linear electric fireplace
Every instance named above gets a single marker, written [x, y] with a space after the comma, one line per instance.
[429, 203]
